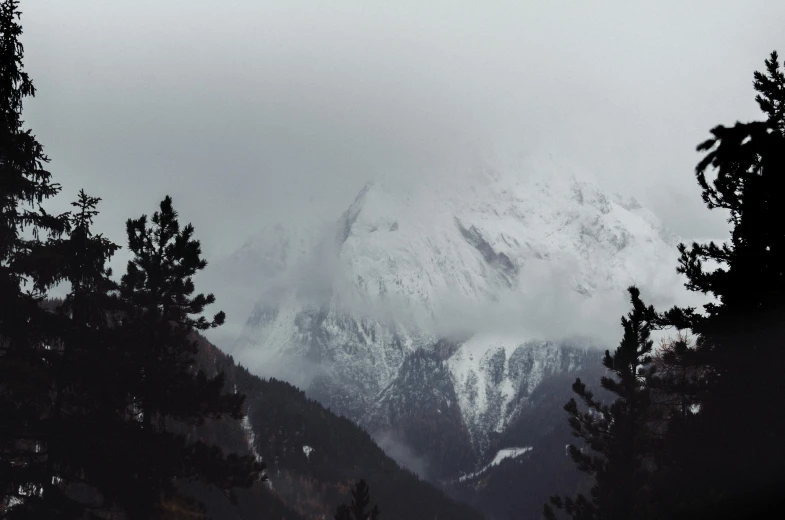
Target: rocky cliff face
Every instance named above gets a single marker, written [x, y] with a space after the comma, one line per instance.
[439, 311]
[494, 379]
[452, 409]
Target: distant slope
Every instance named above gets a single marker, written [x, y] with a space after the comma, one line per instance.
[518, 486]
[313, 457]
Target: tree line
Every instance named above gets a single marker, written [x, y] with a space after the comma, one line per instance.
[696, 427]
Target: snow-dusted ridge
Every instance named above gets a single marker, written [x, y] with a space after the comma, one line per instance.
[504, 260]
[494, 377]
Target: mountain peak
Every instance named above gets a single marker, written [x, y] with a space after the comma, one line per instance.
[534, 252]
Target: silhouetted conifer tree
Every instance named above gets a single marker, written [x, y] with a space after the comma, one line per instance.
[733, 456]
[163, 312]
[26, 331]
[359, 508]
[617, 436]
[83, 364]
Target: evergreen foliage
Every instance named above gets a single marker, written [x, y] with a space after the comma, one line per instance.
[26, 333]
[358, 510]
[161, 314]
[618, 434]
[94, 388]
[81, 361]
[717, 425]
[739, 335]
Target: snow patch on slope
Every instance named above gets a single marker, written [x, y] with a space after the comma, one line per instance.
[250, 438]
[506, 453]
[307, 450]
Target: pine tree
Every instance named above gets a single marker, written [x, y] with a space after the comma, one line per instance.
[358, 510]
[81, 366]
[735, 441]
[26, 332]
[618, 438]
[162, 314]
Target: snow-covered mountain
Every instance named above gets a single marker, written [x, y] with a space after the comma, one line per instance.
[490, 276]
[256, 271]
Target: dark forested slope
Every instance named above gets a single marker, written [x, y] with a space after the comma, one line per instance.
[313, 457]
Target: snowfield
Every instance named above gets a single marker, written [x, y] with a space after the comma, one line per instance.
[504, 263]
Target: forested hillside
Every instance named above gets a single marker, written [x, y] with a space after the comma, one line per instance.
[313, 456]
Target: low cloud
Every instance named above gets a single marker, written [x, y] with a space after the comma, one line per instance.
[401, 453]
[298, 371]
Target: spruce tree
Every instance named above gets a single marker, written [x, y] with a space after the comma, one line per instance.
[358, 510]
[26, 330]
[618, 440]
[82, 367]
[161, 316]
[734, 456]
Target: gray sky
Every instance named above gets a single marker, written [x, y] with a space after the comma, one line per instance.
[248, 110]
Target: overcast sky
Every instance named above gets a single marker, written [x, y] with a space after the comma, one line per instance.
[248, 111]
